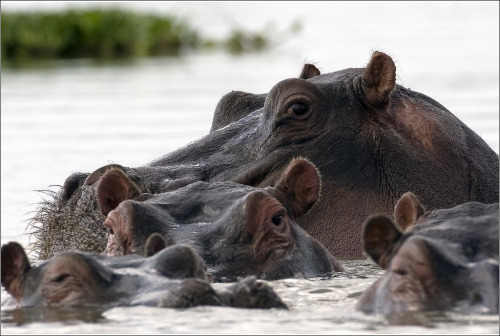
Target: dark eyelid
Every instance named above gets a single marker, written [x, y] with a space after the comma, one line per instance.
[60, 277]
[296, 98]
[399, 271]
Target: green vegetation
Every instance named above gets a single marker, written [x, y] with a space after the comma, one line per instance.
[240, 41]
[109, 34]
[92, 34]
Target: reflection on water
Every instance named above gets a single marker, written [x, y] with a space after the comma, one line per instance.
[423, 319]
[68, 316]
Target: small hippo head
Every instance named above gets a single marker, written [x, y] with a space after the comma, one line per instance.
[445, 259]
[172, 277]
[86, 279]
[239, 230]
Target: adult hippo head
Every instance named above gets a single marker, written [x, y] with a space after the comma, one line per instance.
[370, 138]
[173, 277]
[239, 230]
[444, 259]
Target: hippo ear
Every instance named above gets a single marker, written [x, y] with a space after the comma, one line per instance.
[302, 184]
[14, 264]
[380, 234]
[154, 244]
[407, 211]
[114, 187]
[309, 71]
[96, 175]
[379, 79]
[234, 106]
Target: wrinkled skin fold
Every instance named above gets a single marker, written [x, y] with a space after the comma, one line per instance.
[370, 138]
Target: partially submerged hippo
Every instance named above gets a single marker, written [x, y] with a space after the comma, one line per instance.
[438, 260]
[370, 138]
[239, 230]
[174, 277]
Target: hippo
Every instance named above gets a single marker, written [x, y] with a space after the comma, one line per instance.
[171, 277]
[370, 138]
[238, 230]
[444, 259]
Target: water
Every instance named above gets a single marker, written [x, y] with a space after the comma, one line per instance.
[77, 116]
[317, 306]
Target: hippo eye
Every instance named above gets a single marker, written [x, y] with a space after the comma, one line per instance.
[398, 271]
[299, 108]
[60, 277]
[277, 220]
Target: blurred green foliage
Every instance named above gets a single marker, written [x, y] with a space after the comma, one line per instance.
[92, 34]
[109, 34]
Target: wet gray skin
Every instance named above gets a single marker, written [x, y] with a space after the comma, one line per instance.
[174, 277]
[239, 230]
[371, 139]
[438, 260]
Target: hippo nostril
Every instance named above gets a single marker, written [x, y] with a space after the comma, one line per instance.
[71, 185]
